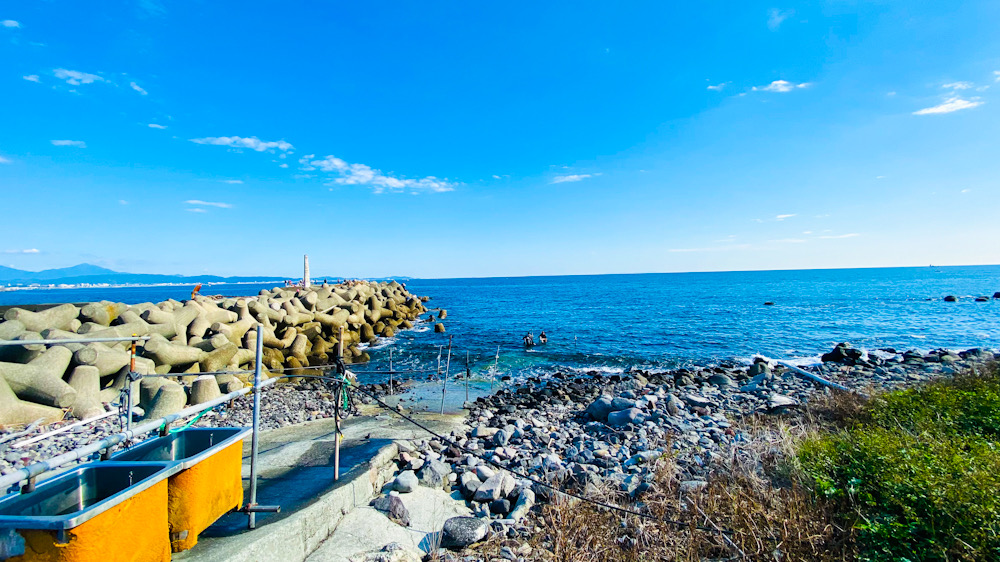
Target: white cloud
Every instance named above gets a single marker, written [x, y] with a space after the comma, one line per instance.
[790, 240]
[4, 160]
[966, 190]
[783, 217]
[28, 251]
[157, 126]
[75, 77]
[879, 177]
[780, 86]
[196, 210]
[32, 78]
[839, 236]
[807, 232]
[138, 88]
[776, 16]
[361, 174]
[996, 75]
[282, 165]
[234, 182]
[122, 202]
[958, 86]
[718, 87]
[950, 105]
[252, 143]
[572, 178]
[208, 204]
[73, 143]
[10, 23]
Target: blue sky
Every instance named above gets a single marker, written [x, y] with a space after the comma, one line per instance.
[451, 139]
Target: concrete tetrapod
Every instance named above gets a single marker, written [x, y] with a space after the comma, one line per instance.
[166, 353]
[86, 381]
[41, 380]
[104, 312]
[107, 361]
[169, 399]
[203, 389]
[55, 317]
[14, 411]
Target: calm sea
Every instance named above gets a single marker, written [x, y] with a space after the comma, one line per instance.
[612, 322]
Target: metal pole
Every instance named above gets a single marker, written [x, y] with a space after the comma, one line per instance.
[390, 370]
[128, 389]
[256, 423]
[438, 372]
[468, 375]
[447, 372]
[496, 365]
[336, 417]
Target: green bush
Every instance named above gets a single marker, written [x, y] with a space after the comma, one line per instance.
[919, 473]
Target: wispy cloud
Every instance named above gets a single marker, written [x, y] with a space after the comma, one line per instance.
[958, 86]
[4, 160]
[996, 75]
[208, 204]
[781, 86]
[965, 191]
[10, 23]
[73, 143]
[75, 77]
[839, 236]
[196, 210]
[718, 87]
[28, 251]
[138, 88]
[379, 182]
[790, 240]
[950, 105]
[157, 126]
[253, 143]
[572, 178]
[234, 182]
[775, 17]
[32, 78]
[783, 217]
[122, 202]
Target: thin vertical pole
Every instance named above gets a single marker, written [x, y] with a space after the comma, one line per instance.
[130, 400]
[256, 423]
[447, 372]
[336, 416]
[390, 370]
[438, 372]
[468, 374]
[496, 365]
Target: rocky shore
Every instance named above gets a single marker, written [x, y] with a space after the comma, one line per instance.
[588, 433]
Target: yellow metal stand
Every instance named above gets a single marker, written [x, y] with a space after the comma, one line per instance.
[201, 494]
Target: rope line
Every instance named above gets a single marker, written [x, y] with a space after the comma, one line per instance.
[539, 482]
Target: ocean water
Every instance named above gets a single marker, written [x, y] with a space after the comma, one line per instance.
[613, 322]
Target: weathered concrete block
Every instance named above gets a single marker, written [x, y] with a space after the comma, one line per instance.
[14, 411]
[218, 359]
[170, 398]
[203, 389]
[86, 380]
[56, 317]
[41, 380]
[166, 353]
[107, 361]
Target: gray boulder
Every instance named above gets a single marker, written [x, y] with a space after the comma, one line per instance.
[621, 403]
[434, 474]
[625, 417]
[406, 482]
[600, 408]
[460, 532]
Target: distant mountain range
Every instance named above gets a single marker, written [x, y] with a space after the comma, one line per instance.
[89, 273]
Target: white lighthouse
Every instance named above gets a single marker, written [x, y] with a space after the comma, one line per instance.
[305, 271]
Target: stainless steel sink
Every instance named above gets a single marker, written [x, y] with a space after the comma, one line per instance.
[186, 447]
[75, 496]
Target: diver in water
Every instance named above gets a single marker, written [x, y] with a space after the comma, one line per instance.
[542, 338]
[529, 340]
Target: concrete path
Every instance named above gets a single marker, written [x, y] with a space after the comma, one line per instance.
[295, 468]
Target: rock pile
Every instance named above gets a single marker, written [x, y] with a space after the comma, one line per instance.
[587, 432]
[300, 329]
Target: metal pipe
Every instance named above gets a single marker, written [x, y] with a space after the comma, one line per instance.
[447, 372]
[390, 370]
[812, 377]
[33, 470]
[71, 341]
[62, 429]
[256, 424]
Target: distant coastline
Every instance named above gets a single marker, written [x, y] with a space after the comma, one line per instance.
[38, 286]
